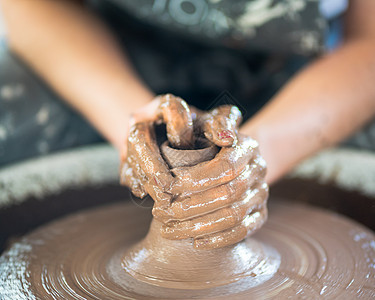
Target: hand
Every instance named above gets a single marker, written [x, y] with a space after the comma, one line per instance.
[143, 169]
[219, 125]
[218, 202]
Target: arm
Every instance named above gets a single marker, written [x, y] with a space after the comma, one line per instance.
[76, 54]
[323, 104]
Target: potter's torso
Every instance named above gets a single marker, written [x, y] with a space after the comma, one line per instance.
[288, 26]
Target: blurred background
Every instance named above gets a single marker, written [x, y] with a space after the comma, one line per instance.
[2, 29]
[2, 32]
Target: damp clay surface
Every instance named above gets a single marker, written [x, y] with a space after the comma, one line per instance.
[321, 254]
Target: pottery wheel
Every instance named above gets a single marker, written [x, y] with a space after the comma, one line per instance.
[79, 257]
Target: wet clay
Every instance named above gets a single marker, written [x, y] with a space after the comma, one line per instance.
[176, 256]
[175, 113]
[321, 255]
[216, 200]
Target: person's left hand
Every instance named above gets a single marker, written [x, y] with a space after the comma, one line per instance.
[218, 202]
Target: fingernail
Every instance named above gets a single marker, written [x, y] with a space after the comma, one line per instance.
[225, 134]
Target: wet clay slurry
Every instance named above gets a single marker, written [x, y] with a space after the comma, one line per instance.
[79, 257]
[170, 258]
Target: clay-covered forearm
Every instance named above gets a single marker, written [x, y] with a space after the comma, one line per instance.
[78, 56]
[321, 106]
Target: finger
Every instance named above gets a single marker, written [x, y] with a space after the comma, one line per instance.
[146, 157]
[248, 226]
[217, 221]
[194, 209]
[227, 165]
[201, 203]
[176, 114]
[160, 197]
[139, 176]
[255, 169]
[128, 179]
[196, 113]
[207, 201]
[132, 161]
[221, 124]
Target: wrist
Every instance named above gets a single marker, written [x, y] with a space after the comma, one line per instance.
[113, 121]
[259, 133]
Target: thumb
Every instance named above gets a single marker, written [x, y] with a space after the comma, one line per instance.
[221, 124]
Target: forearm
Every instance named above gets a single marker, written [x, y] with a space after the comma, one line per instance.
[319, 107]
[75, 53]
